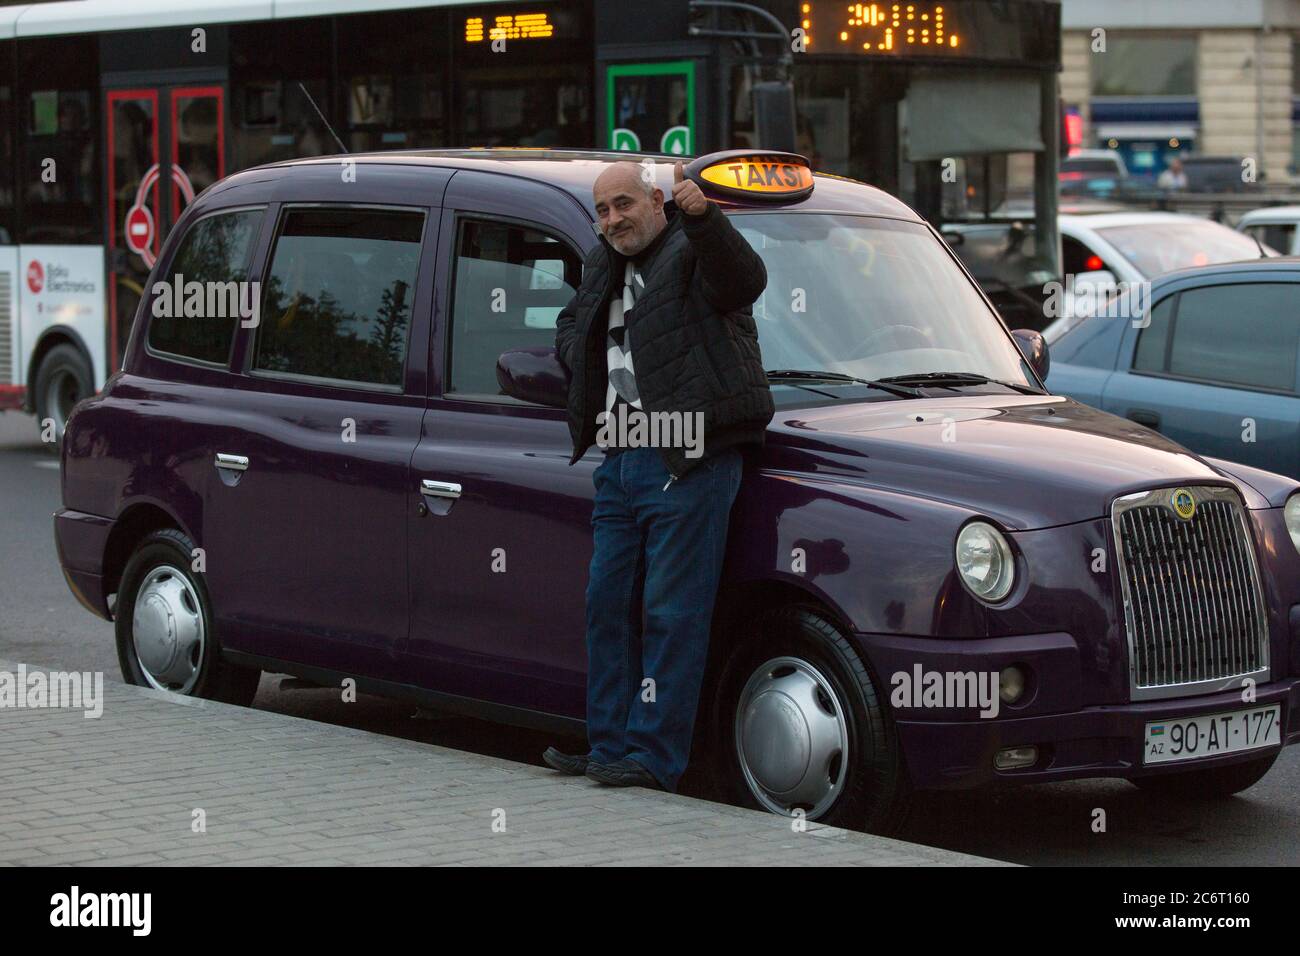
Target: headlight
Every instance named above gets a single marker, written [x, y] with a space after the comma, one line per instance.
[985, 562]
[1292, 515]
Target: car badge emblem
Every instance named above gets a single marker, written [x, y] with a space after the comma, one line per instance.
[1183, 503]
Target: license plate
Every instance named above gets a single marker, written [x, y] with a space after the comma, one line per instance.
[1207, 735]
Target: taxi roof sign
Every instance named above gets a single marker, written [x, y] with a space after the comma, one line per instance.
[753, 175]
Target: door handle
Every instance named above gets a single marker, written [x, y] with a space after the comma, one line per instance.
[1143, 417]
[439, 489]
[232, 462]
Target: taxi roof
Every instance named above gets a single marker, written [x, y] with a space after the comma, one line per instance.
[575, 171]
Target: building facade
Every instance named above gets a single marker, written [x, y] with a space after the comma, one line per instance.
[1164, 78]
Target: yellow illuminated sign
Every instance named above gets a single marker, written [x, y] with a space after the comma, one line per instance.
[509, 26]
[746, 174]
[759, 176]
[915, 28]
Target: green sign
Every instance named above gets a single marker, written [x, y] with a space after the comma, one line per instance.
[650, 107]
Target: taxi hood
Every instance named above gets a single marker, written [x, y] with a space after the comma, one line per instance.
[1026, 461]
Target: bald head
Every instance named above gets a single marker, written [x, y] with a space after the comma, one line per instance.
[629, 206]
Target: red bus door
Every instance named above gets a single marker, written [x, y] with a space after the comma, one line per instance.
[166, 144]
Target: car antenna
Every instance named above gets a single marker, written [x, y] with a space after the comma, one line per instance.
[322, 117]
[1259, 245]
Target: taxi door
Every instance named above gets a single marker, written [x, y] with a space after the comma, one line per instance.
[305, 506]
[500, 523]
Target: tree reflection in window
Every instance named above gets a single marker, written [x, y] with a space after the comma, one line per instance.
[214, 253]
[337, 302]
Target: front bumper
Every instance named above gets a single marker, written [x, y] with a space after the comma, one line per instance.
[944, 749]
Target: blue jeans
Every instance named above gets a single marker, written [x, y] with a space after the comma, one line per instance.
[661, 551]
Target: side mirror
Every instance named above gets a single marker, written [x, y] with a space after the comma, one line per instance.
[534, 375]
[1034, 348]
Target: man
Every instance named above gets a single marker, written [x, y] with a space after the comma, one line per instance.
[1174, 177]
[661, 324]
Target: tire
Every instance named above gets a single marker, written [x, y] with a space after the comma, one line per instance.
[176, 614]
[797, 670]
[1208, 784]
[63, 379]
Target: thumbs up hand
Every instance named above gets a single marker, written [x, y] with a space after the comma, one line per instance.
[687, 195]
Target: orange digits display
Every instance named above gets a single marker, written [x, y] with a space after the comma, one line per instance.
[509, 26]
[918, 28]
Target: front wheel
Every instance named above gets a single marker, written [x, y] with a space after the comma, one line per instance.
[802, 728]
[163, 622]
[1208, 783]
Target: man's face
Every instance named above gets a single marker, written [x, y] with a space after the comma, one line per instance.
[629, 217]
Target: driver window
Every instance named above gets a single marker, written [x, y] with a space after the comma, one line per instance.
[511, 282]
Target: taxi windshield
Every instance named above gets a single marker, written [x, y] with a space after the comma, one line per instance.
[871, 298]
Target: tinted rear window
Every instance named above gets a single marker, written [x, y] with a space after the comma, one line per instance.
[337, 302]
[215, 253]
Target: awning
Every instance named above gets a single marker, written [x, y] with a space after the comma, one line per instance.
[1144, 130]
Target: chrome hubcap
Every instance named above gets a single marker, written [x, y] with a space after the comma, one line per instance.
[792, 738]
[167, 627]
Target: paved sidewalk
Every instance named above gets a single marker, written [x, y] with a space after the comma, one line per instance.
[273, 789]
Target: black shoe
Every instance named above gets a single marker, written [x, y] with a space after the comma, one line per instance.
[575, 765]
[622, 773]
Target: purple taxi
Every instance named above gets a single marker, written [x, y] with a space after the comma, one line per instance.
[337, 449]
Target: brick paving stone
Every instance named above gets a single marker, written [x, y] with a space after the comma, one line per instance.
[281, 790]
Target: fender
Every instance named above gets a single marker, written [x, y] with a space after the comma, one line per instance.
[1270, 490]
[883, 560]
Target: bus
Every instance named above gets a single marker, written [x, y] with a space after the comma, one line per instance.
[115, 114]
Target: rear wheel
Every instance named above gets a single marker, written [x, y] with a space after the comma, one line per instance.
[802, 728]
[63, 379]
[163, 618]
[1208, 783]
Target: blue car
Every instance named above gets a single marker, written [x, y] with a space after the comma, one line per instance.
[1213, 364]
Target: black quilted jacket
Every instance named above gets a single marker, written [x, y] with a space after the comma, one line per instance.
[692, 334]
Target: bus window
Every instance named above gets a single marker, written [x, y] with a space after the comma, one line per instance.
[540, 95]
[270, 118]
[8, 120]
[392, 69]
[60, 169]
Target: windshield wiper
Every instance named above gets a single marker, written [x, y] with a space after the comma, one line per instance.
[942, 379]
[786, 374]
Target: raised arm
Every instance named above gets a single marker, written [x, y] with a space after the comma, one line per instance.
[731, 273]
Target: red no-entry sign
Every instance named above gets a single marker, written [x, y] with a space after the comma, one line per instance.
[139, 229]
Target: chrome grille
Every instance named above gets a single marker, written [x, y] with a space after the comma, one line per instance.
[1192, 602]
[7, 320]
